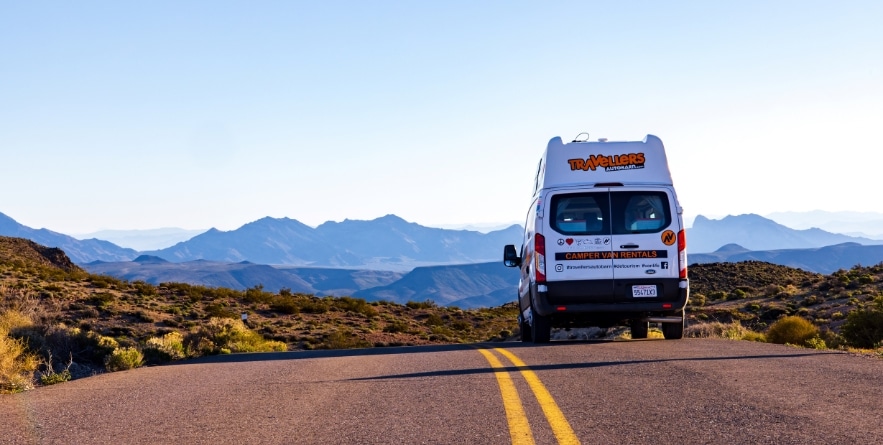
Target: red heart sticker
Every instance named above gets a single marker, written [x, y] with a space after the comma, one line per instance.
[569, 241]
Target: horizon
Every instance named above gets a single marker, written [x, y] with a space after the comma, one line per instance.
[688, 220]
[204, 115]
[485, 227]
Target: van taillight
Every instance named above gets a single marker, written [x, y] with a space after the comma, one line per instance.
[682, 253]
[539, 249]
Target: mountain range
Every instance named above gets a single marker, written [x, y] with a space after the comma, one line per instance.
[754, 232]
[388, 243]
[393, 244]
[464, 285]
[79, 251]
[143, 240]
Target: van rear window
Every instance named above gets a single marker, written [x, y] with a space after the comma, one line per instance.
[581, 213]
[618, 212]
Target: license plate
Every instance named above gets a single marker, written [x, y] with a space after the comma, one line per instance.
[644, 290]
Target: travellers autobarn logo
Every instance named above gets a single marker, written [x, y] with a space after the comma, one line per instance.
[611, 163]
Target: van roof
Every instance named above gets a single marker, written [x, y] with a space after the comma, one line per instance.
[589, 163]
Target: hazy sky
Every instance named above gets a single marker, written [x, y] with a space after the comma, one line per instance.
[198, 114]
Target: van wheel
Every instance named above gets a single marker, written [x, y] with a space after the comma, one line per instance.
[673, 331]
[541, 329]
[640, 329]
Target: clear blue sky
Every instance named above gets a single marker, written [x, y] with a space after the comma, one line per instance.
[198, 114]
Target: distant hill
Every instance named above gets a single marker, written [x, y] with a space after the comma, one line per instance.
[79, 251]
[824, 260]
[754, 232]
[29, 252]
[464, 285]
[244, 275]
[860, 224]
[469, 285]
[142, 240]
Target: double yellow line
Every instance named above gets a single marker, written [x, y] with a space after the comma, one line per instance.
[519, 428]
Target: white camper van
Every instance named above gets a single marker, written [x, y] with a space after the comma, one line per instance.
[604, 241]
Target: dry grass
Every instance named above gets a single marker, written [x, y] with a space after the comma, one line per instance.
[17, 364]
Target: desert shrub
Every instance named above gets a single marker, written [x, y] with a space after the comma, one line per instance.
[53, 288]
[864, 327]
[257, 294]
[224, 335]
[397, 326]
[314, 306]
[168, 347]
[143, 316]
[771, 290]
[816, 343]
[718, 295]
[12, 320]
[49, 376]
[697, 300]
[811, 300]
[286, 305]
[145, 289]
[83, 346]
[105, 282]
[791, 330]
[427, 304]
[754, 336]
[461, 325]
[715, 329]
[343, 339]
[17, 364]
[356, 305]
[122, 359]
[434, 320]
[218, 310]
[101, 299]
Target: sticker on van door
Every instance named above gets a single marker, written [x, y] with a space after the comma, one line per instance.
[669, 237]
[598, 241]
[614, 255]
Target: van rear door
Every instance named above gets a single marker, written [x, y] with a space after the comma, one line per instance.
[644, 231]
[579, 243]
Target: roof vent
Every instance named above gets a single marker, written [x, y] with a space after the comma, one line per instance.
[602, 139]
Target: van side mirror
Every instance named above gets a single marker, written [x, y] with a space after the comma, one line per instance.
[510, 256]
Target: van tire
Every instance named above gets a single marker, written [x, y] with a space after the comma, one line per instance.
[673, 331]
[541, 329]
[640, 329]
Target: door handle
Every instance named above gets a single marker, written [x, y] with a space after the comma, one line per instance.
[629, 246]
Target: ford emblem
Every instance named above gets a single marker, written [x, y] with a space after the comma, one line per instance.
[649, 271]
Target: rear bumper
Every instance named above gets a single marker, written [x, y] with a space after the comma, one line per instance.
[564, 300]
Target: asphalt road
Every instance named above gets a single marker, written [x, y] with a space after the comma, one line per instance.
[625, 392]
